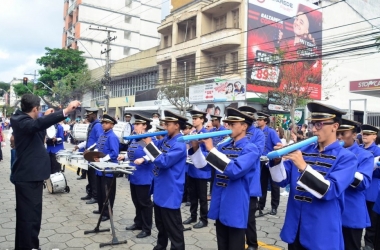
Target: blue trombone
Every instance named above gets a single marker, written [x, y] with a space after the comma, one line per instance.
[291, 148]
[196, 137]
[145, 135]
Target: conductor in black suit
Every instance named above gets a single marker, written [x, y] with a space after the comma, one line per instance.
[32, 166]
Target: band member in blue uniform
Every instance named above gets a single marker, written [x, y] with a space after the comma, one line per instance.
[318, 175]
[169, 159]
[235, 161]
[186, 195]
[355, 216]
[94, 131]
[141, 180]
[197, 179]
[369, 137]
[257, 137]
[31, 166]
[271, 139]
[217, 126]
[53, 145]
[108, 144]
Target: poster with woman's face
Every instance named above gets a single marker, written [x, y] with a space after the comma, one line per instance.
[279, 32]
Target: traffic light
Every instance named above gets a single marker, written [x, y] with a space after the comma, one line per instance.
[25, 81]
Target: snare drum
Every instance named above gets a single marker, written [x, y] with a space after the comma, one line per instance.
[78, 161]
[80, 132]
[63, 157]
[122, 129]
[57, 183]
[51, 132]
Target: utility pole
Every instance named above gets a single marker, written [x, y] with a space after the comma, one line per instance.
[107, 71]
[34, 79]
[184, 106]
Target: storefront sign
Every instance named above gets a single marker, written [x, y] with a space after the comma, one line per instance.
[365, 85]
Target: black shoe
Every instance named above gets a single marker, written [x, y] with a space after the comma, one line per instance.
[273, 211]
[142, 234]
[261, 212]
[367, 248]
[92, 201]
[187, 204]
[87, 197]
[189, 220]
[96, 212]
[81, 178]
[133, 227]
[104, 218]
[252, 248]
[200, 224]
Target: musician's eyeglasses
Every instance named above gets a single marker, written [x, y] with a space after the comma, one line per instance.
[319, 125]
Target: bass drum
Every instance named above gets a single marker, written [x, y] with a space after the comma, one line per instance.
[122, 129]
[80, 132]
[57, 183]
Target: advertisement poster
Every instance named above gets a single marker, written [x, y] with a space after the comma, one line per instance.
[218, 91]
[284, 37]
[284, 120]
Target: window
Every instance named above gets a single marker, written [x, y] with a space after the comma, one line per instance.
[127, 19]
[220, 64]
[166, 41]
[235, 62]
[220, 22]
[193, 32]
[126, 51]
[235, 18]
[127, 35]
[165, 75]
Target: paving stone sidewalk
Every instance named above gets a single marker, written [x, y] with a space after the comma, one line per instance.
[65, 218]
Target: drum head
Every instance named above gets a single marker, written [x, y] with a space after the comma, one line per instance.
[51, 132]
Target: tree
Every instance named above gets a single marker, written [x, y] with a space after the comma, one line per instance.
[4, 87]
[65, 72]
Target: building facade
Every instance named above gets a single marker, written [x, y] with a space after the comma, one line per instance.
[134, 22]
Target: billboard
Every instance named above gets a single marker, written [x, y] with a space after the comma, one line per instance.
[365, 85]
[218, 90]
[284, 37]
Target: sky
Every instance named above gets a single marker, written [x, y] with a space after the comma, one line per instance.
[26, 28]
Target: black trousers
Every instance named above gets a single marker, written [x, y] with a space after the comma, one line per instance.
[101, 182]
[143, 205]
[91, 175]
[1, 153]
[264, 177]
[28, 214]
[370, 232]
[198, 191]
[250, 232]
[83, 173]
[169, 226]
[377, 237]
[186, 195]
[296, 245]
[55, 166]
[229, 238]
[352, 238]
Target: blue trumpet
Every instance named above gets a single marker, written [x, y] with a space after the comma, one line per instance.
[187, 138]
[145, 135]
[291, 148]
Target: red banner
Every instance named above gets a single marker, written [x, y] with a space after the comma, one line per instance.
[365, 85]
[284, 36]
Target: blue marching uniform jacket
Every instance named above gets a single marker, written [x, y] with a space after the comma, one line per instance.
[108, 144]
[95, 133]
[195, 172]
[271, 139]
[316, 198]
[373, 190]
[169, 159]
[58, 145]
[355, 214]
[217, 139]
[257, 137]
[231, 189]
[143, 174]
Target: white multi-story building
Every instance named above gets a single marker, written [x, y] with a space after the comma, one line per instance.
[134, 22]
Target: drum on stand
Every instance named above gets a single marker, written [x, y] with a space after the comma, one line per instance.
[79, 132]
[57, 183]
[63, 157]
[77, 160]
[51, 132]
[122, 129]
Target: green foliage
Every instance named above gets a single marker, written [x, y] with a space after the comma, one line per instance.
[21, 89]
[5, 86]
[8, 110]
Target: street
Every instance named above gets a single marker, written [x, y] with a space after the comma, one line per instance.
[65, 218]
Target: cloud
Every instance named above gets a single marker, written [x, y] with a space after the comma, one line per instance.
[30, 27]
